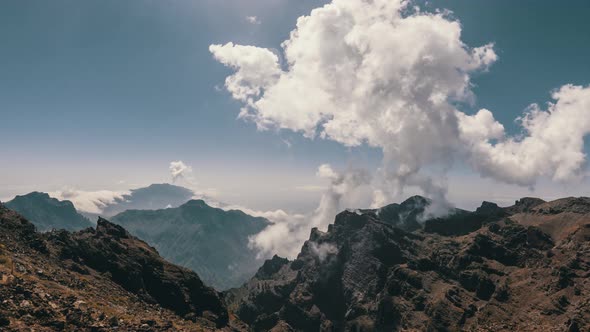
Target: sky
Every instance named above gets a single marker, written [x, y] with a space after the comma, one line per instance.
[104, 95]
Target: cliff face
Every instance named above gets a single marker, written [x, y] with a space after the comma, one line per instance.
[484, 270]
[98, 278]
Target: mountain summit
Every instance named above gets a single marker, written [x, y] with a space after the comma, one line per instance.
[48, 213]
[152, 197]
[211, 241]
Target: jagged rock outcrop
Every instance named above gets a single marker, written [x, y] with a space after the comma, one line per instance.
[98, 279]
[485, 272]
[48, 213]
[462, 222]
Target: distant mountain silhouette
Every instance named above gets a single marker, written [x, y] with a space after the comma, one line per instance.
[48, 213]
[152, 197]
[210, 241]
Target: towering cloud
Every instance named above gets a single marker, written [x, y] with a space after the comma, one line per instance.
[385, 74]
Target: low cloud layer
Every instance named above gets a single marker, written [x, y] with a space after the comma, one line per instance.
[90, 201]
[385, 74]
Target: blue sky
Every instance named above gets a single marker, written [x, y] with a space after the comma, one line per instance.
[104, 94]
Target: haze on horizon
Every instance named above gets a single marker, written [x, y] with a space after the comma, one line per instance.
[104, 96]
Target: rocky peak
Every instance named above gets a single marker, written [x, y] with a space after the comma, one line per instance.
[48, 213]
[525, 204]
[106, 227]
[195, 203]
[270, 267]
[353, 219]
[415, 202]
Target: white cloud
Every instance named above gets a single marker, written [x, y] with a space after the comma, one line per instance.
[90, 201]
[288, 232]
[179, 169]
[387, 75]
[363, 72]
[253, 20]
[322, 251]
[384, 74]
[255, 68]
[552, 144]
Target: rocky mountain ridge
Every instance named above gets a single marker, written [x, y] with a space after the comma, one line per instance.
[494, 269]
[97, 279]
[521, 268]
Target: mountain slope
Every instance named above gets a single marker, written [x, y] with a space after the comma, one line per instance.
[476, 271]
[48, 213]
[99, 279]
[210, 241]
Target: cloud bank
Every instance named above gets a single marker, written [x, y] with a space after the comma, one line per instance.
[90, 201]
[385, 74]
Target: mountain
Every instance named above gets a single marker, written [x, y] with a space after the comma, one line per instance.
[152, 197]
[48, 213]
[98, 279]
[520, 268]
[409, 215]
[208, 240]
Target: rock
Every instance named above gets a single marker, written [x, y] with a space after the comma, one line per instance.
[78, 275]
[454, 275]
[4, 321]
[138, 268]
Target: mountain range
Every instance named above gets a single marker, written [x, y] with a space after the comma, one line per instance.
[211, 241]
[520, 268]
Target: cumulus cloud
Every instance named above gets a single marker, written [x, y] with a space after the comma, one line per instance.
[552, 144]
[90, 201]
[179, 169]
[363, 72]
[385, 74]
